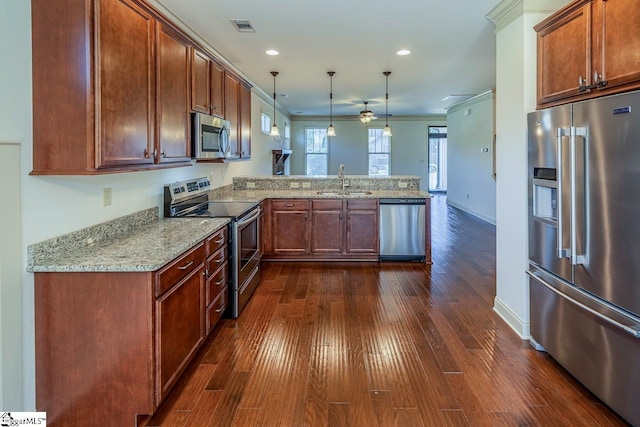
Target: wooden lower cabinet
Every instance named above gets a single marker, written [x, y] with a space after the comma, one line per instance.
[179, 329]
[322, 229]
[290, 227]
[362, 227]
[111, 345]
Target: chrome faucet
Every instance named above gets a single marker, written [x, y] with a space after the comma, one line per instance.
[341, 177]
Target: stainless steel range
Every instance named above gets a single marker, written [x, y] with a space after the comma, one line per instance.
[191, 199]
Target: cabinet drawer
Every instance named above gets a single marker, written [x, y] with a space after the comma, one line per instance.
[326, 205]
[216, 281]
[179, 269]
[217, 259]
[216, 240]
[216, 309]
[362, 204]
[290, 205]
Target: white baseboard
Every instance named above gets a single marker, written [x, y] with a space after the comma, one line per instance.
[471, 212]
[519, 327]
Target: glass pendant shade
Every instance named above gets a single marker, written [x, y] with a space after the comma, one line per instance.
[331, 131]
[387, 129]
[274, 127]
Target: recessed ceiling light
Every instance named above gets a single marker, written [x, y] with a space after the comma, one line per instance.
[272, 52]
[403, 52]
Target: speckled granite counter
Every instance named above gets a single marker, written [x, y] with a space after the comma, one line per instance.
[137, 242]
[303, 187]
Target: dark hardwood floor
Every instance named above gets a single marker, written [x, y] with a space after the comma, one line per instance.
[380, 344]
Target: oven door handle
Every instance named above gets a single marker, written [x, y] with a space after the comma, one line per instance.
[251, 218]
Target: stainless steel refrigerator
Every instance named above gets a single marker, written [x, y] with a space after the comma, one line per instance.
[584, 244]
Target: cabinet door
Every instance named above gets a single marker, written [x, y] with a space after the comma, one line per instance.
[172, 97]
[217, 88]
[617, 46]
[362, 227]
[179, 329]
[290, 227]
[245, 121]
[564, 53]
[326, 227]
[200, 85]
[232, 111]
[126, 84]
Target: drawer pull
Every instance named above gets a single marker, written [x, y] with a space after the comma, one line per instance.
[220, 309]
[219, 282]
[217, 242]
[187, 265]
[218, 261]
[289, 205]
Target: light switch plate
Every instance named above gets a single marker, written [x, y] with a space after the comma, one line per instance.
[106, 196]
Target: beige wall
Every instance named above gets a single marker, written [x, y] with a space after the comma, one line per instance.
[470, 184]
[349, 147]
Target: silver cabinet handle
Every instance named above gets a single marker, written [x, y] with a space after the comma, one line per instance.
[187, 265]
[218, 261]
[217, 242]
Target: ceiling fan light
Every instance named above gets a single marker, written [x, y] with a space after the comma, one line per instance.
[386, 131]
[364, 119]
[331, 131]
[274, 130]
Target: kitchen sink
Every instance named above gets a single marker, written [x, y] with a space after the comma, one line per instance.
[343, 193]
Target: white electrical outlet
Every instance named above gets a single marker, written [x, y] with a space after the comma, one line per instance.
[106, 196]
[402, 184]
[306, 185]
[251, 185]
[294, 185]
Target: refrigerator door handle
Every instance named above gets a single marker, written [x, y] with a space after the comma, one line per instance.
[576, 175]
[632, 330]
[562, 252]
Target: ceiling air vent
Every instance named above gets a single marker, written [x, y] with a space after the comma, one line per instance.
[243, 25]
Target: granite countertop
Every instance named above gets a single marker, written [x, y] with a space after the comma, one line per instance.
[147, 247]
[260, 195]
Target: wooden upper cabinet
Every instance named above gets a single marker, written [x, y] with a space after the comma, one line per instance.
[232, 111]
[200, 83]
[564, 53]
[245, 121]
[126, 82]
[103, 78]
[617, 43]
[588, 49]
[217, 88]
[172, 97]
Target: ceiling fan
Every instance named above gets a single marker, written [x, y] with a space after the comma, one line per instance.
[366, 115]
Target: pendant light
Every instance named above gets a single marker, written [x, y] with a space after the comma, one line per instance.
[274, 127]
[387, 130]
[331, 131]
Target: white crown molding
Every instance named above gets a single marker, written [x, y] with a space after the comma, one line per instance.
[507, 11]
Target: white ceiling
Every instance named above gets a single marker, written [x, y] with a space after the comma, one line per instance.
[452, 47]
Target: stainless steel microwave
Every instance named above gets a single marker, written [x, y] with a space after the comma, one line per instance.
[210, 136]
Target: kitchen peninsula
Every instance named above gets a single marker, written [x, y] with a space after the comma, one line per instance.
[134, 299]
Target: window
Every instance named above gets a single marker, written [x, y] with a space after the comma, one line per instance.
[437, 158]
[265, 123]
[379, 153]
[316, 151]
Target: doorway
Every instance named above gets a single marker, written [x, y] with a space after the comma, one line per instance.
[437, 172]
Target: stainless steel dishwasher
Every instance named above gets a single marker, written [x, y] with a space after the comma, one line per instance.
[402, 224]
